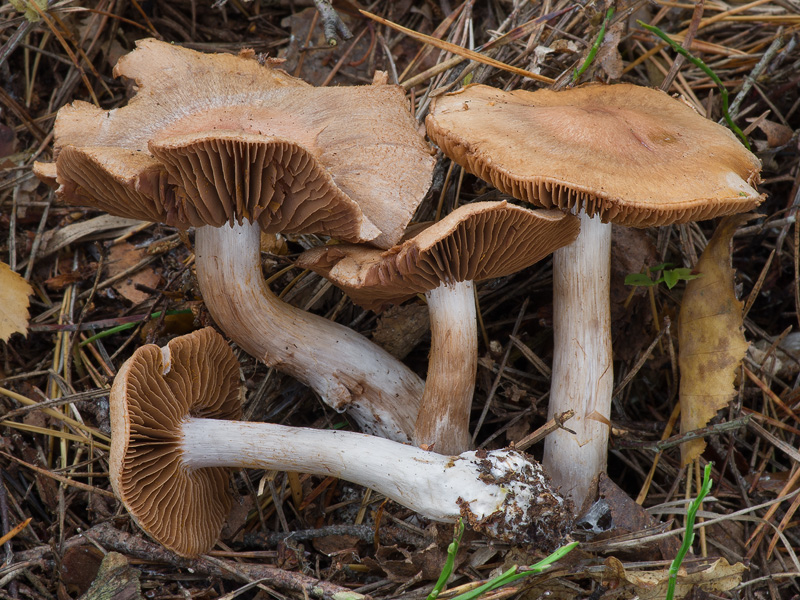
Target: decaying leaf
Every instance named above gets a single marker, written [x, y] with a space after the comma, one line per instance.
[14, 292]
[124, 256]
[712, 343]
[29, 10]
[652, 585]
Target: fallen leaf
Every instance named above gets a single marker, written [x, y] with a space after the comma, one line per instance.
[777, 133]
[123, 256]
[719, 576]
[14, 292]
[96, 228]
[82, 273]
[608, 56]
[710, 335]
[401, 328]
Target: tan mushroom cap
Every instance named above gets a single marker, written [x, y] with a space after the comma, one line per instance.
[377, 167]
[476, 241]
[122, 182]
[630, 154]
[194, 375]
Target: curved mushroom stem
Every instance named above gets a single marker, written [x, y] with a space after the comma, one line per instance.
[347, 370]
[583, 376]
[443, 419]
[502, 493]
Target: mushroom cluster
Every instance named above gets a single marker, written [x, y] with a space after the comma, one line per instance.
[233, 147]
[620, 154]
[176, 434]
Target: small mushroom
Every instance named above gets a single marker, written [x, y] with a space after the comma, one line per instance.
[175, 436]
[477, 241]
[610, 154]
[231, 146]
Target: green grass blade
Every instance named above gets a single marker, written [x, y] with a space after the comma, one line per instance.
[447, 570]
[512, 574]
[595, 47]
[688, 537]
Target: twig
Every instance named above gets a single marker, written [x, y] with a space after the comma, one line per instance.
[688, 38]
[136, 547]
[556, 422]
[677, 440]
[332, 23]
[750, 78]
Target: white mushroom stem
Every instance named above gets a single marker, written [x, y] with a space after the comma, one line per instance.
[347, 370]
[502, 493]
[444, 411]
[583, 376]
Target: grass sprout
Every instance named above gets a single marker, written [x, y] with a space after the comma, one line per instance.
[688, 538]
[507, 577]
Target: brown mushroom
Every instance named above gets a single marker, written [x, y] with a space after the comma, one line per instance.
[618, 153]
[477, 241]
[176, 434]
[231, 146]
[154, 392]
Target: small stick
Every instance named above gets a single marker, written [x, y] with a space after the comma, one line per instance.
[750, 79]
[332, 24]
[697, 15]
[136, 547]
[556, 422]
[677, 440]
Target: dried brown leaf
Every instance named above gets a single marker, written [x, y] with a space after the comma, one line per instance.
[652, 585]
[712, 343]
[14, 292]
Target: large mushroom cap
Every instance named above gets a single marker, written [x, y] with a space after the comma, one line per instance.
[369, 162]
[630, 154]
[476, 241]
[195, 375]
[232, 175]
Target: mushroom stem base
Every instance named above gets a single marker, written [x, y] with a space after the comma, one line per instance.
[582, 377]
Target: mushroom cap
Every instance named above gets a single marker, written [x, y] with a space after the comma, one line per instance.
[232, 175]
[122, 182]
[476, 241]
[194, 375]
[371, 164]
[631, 155]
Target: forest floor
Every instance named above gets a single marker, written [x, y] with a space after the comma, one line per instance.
[95, 275]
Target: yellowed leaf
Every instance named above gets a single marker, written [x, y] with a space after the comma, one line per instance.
[14, 292]
[712, 343]
[720, 576]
